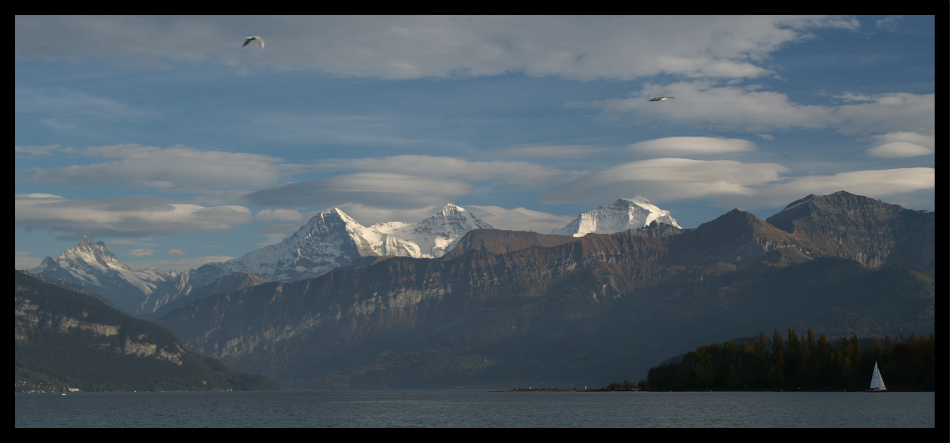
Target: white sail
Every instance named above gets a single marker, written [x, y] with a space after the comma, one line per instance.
[877, 383]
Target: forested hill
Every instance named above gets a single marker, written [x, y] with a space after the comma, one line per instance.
[801, 362]
[63, 338]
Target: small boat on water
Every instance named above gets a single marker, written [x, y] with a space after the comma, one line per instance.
[877, 383]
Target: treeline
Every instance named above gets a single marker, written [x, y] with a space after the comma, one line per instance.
[801, 362]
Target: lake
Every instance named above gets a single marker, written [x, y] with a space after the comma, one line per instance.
[477, 408]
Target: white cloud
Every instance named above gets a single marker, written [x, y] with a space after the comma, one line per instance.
[890, 23]
[731, 184]
[406, 184]
[890, 112]
[672, 146]
[279, 215]
[141, 252]
[71, 109]
[886, 183]
[384, 190]
[176, 167]
[515, 174]
[580, 47]
[711, 105]
[903, 144]
[177, 252]
[123, 216]
[872, 183]
[899, 149]
[41, 151]
[667, 179]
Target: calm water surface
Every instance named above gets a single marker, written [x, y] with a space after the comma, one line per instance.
[477, 408]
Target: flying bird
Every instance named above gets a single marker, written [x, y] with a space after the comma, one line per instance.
[252, 38]
[658, 99]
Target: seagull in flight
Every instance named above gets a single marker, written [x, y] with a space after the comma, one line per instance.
[252, 38]
[658, 99]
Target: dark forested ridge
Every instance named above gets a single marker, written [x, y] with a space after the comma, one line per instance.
[66, 339]
[803, 362]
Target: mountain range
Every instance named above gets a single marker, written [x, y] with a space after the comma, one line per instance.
[504, 308]
[331, 239]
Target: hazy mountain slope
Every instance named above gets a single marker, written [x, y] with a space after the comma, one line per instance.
[72, 339]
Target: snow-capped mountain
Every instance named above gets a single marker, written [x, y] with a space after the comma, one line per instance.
[621, 215]
[332, 239]
[94, 267]
[329, 240]
[429, 238]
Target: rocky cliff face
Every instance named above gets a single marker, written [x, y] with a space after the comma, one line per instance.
[738, 237]
[862, 229]
[37, 314]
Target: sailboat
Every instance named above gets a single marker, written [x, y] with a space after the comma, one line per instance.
[877, 383]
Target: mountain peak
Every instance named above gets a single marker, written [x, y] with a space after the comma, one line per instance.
[94, 267]
[85, 241]
[621, 215]
[861, 228]
[325, 220]
[453, 214]
[89, 252]
[330, 212]
[841, 199]
[431, 237]
[450, 209]
[638, 200]
[739, 237]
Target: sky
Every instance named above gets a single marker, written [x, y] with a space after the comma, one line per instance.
[176, 145]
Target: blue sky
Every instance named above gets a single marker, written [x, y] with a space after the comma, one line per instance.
[168, 140]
